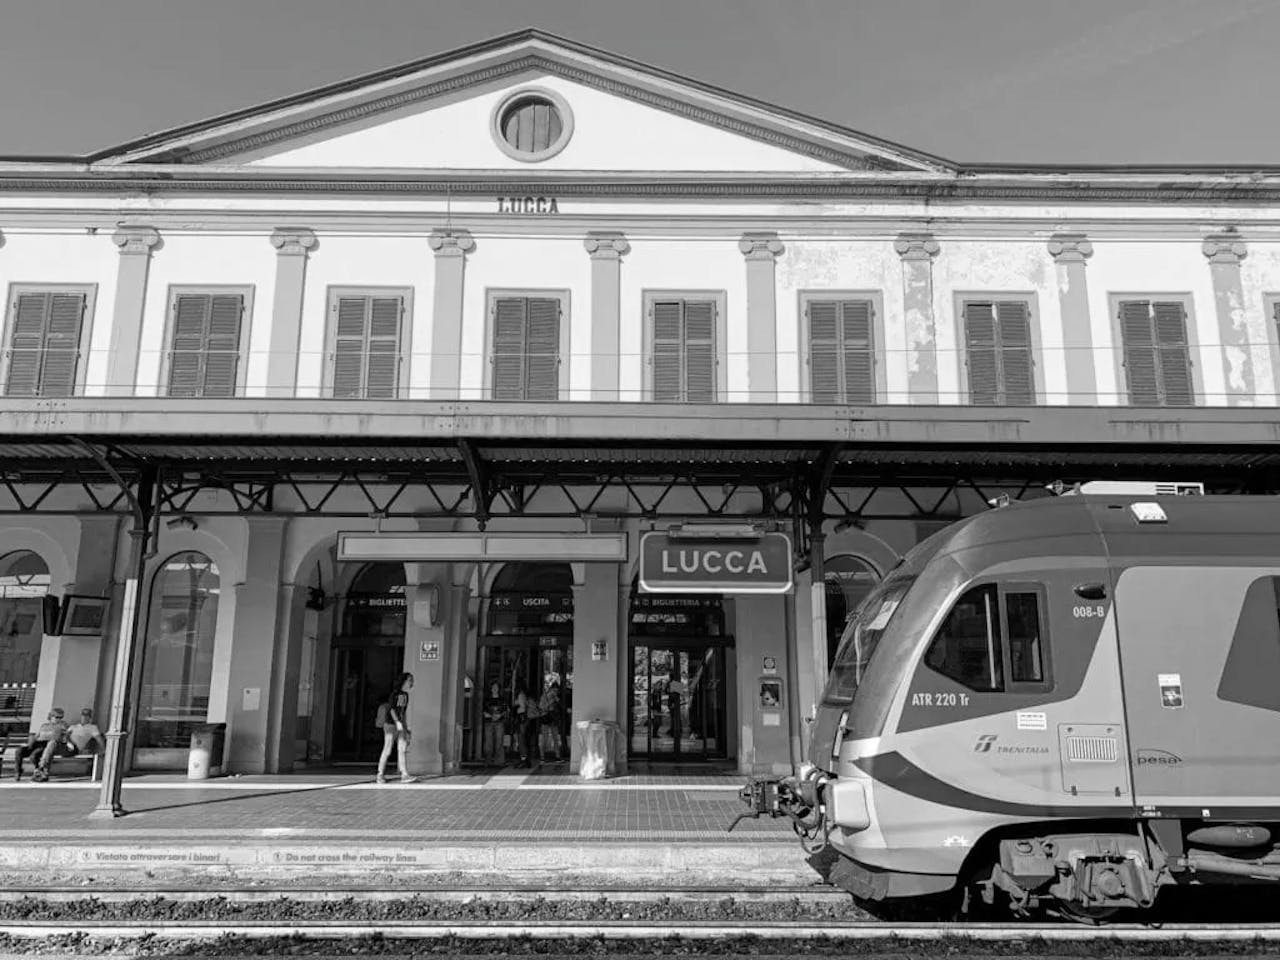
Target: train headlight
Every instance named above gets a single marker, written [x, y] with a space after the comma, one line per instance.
[847, 804]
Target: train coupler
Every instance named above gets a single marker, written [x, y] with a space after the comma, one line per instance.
[785, 797]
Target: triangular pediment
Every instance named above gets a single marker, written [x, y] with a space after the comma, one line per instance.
[443, 114]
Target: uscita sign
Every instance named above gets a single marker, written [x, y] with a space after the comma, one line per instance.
[760, 564]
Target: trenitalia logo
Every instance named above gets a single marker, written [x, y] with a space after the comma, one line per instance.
[984, 743]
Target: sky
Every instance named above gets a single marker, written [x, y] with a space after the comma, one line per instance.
[1017, 81]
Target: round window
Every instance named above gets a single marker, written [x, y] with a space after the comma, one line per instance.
[532, 125]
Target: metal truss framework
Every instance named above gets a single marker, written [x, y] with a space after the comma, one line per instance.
[804, 489]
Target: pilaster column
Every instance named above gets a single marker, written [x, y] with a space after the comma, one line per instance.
[136, 244]
[451, 248]
[761, 250]
[1070, 252]
[292, 246]
[595, 620]
[1225, 253]
[917, 251]
[607, 251]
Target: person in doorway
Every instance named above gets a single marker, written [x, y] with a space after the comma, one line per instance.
[395, 730]
[495, 721]
[526, 710]
[45, 743]
[549, 741]
[675, 703]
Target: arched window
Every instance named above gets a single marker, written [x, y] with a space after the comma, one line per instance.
[178, 663]
[24, 580]
[848, 581]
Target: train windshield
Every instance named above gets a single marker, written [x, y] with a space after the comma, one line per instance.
[860, 638]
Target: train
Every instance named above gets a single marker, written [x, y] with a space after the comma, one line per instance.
[1063, 706]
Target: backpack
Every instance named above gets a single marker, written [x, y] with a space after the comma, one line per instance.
[383, 716]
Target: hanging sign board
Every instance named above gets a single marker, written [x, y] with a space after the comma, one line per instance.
[758, 564]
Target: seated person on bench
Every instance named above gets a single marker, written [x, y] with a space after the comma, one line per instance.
[85, 736]
[49, 740]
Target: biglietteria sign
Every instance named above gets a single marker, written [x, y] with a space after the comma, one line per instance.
[752, 565]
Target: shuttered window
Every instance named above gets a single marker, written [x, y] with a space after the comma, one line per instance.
[526, 348]
[1157, 356]
[841, 351]
[998, 352]
[366, 345]
[684, 350]
[204, 349]
[44, 342]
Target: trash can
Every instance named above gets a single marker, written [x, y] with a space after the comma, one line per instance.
[599, 742]
[205, 758]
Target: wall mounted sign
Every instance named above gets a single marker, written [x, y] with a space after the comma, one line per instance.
[757, 564]
[599, 650]
[541, 205]
[430, 650]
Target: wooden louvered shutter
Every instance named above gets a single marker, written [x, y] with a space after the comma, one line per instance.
[981, 352]
[824, 351]
[668, 349]
[858, 351]
[1173, 354]
[44, 344]
[204, 353]
[700, 351]
[348, 346]
[1013, 326]
[1139, 353]
[382, 359]
[542, 349]
[222, 345]
[508, 347]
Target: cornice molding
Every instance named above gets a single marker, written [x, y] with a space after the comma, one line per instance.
[532, 62]
[451, 243]
[1225, 248]
[760, 246]
[916, 246]
[136, 241]
[605, 245]
[293, 241]
[1070, 248]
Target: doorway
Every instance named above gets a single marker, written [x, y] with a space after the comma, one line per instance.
[678, 678]
[367, 657]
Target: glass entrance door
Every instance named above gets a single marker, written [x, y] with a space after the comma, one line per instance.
[532, 664]
[677, 699]
[363, 677]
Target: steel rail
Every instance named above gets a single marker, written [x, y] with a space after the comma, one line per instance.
[627, 930]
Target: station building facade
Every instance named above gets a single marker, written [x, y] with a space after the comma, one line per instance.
[411, 364]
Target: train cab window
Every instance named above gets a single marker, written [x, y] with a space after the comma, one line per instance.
[988, 630]
[1026, 656]
[967, 647]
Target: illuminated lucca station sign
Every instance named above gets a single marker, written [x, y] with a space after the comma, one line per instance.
[678, 564]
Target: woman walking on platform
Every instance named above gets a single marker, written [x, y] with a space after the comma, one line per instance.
[395, 729]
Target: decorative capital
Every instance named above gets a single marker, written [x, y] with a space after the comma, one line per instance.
[606, 246]
[1070, 248]
[916, 246]
[760, 246]
[136, 241]
[293, 241]
[451, 243]
[1227, 248]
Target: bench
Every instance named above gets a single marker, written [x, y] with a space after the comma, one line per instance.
[84, 765]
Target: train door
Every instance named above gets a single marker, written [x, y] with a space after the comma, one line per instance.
[1200, 653]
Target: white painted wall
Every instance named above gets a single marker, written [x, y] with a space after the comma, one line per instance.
[606, 127]
[1260, 279]
[1170, 267]
[70, 258]
[678, 263]
[996, 267]
[187, 259]
[349, 260]
[813, 265]
[534, 264]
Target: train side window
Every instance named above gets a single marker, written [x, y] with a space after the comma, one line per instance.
[967, 647]
[1026, 651]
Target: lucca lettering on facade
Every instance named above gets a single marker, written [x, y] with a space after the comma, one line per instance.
[544, 205]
